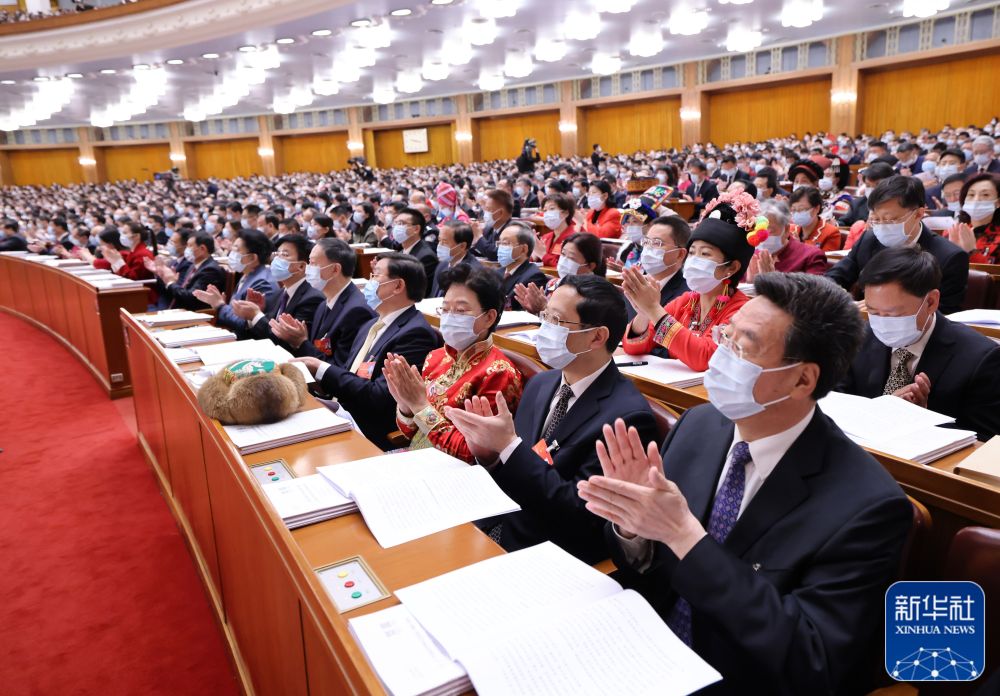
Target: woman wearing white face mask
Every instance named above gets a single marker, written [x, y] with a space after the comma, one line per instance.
[603, 220]
[807, 225]
[582, 254]
[978, 230]
[467, 365]
[782, 251]
[635, 219]
[363, 223]
[718, 255]
[557, 214]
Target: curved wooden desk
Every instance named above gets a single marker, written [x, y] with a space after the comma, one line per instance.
[81, 317]
[284, 633]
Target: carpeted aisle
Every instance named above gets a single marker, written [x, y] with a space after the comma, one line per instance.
[99, 594]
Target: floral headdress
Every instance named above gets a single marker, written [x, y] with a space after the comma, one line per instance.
[740, 209]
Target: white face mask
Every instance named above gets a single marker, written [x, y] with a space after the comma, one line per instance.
[978, 210]
[400, 234]
[825, 184]
[654, 261]
[236, 261]
[802, 218]
[189, 254]
[595, 202]
[633, 233]
[458, 331]
[567, 267]
[730, 382]
[772, 244]
[896, 332]
[700, 274]
[488, 219]
[358, 217]
[552, 218]
[550, 342]
[891, 234]
[945, 170]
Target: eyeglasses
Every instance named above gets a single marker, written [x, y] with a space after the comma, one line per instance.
[441, 311]
[551, 317]
[723, 336]
[875, 221]
[653, 243]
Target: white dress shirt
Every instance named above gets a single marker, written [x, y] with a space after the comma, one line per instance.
[387, 321]
[578, 388]
[917, 349]
[333, 300]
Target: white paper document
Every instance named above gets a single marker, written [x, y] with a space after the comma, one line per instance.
[174, 316]
[983, 317]
[662, 370]
[515, 318]
[298, 427]
[193, 335]
[305, 500]
[387, 467]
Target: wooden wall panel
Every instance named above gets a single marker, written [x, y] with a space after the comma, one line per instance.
[958, 92]
[643, 125]
[138, 162]
[226, 159]
[769, 112]
[503, 137]
[315, 152]
[389, 147]
[46, 167]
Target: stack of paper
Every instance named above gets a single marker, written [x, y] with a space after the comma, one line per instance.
[193, 336]
[983, 317]
[15, 253]
[983, 464]
[181, 356]
[217, 356]
[896, 427]
[550, 625]
[298, 427]
[662, 370]
[174, 316]
[306, 500]
[409, 495]
[406, 659]
[514, 318]
[67, 263]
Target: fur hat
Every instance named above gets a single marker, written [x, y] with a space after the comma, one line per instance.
[248, 392]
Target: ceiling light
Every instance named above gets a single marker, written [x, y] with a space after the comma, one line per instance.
[463, 136]
[175, 61]
[285, 41]
[401, 12]
[481, 31]
[355, 145]
[383, 94]
[247, 49]
[435, 70]
[735, 2]
[801, 13]
[322, 32]
[360, 56]
[41, 78]
[101, 120]
[325, 87]
[375, 35]
[582, 26]
[442, 2]
[685, 21]
[565, 127]
[346, 72]
[923, 8]
[614, 6]
[74, 75]
[742, 40]
[646, 41]
[550, 51]
[178, 157]
[86, 161]
[210, 56]
[497, 10]
[108, 71]
[409, 82]
[301, 96]
[518, 64]
[282, 107]
[459, 52]
[362, 22]
[843, 97]
[690, 114]
[605, 64]
[7, 82]
[265, 151]
[490, 81]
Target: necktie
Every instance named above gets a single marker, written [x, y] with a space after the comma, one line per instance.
[559, 412]
[900, 375]
[282, 304]
[725, 512]
[369, 341]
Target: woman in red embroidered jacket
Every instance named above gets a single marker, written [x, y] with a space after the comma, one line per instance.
[719, 251]
[468, 365]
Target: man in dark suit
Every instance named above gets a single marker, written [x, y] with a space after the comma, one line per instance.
[728, 172]
[453, 249]
[663, 252]
[297, 298]
[248, 257]
[935, 363]
[983, 157]
[910, 159]
[204, 272]
[871, 176]
[397, 283]
[408, 229]
[897, 206]
[337, 318]
[702, 189]
[10, 240]
[538, 457]
[513, 254]
[762, 534]
[498, 208]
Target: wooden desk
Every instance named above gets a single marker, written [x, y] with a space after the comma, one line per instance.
[75, 313]
[283, 632]
[992, 269]
[366, 259]
[684, 209]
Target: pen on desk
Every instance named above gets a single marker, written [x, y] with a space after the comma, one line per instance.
[634, 363]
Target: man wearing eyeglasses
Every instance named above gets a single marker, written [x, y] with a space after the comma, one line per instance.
[664, 248]
[538, 457]
[897, 208]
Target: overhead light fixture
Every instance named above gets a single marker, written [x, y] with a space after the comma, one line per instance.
[435, 70]
[582, 26]
[518, 64]
[322, 32]
[325, 87]
[401, 12]
[843, 97]
[646, 41]
[481, 31]
[175, 61]
[195, 115]
[614, 6]
[247, 49]
[409, 82]
[741, 40]
[178, 157]
[690, 114]
[282, 107]
[141, 66]
[801, 13]
[490, 80]
[497, 10]
[605, 64]
[86, 161]
[685, 21]
[108, 71]
[463, 137]
[550, 50]
[355, 145]
[383, 94]
[41, 78]
[459, 52]
[567, 127]
[346, 71]
[210, 56]
[735, 2]
[374, 35]
[442, 2]
[923, 8]
[265, 151]
[284, 41]
[8, 82]
[361, 22]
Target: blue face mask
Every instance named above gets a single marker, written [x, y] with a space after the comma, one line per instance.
[444, 253]
[371, 294]
[280, 269]
[505, 255]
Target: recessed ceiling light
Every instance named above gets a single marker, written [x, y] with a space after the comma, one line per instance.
[322, 32]
[175, 61]
[285, 41]
[362, 22]
[140, 66]
[401, 12]
[7, 82]
[442, 2]
[41, 78]
[74, 75]
[247, 49]
[108, 71]
[210, 56]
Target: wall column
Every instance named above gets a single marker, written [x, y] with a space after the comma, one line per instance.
[356, 137]
[265, 146]
[6, 173]
[569, 116]
[91, 161]
[694, 107]
[463, 131]
[178, 153]
[844, 88]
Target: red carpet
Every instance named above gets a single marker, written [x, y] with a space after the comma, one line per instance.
[99, 594]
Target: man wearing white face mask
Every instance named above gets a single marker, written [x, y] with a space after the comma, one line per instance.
[914, 352]
[762, 535]
[452, 250]
[538, 456]
[984, 159]
[897, 208]
[408, 228]
[249, 254]
[664, 250]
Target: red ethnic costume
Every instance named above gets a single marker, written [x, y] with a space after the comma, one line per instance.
[451, 378]
[733, 225]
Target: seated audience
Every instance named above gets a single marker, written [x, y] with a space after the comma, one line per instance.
[10, 237]
[255, 289]
[601, 218]
[782, 251]
[408, 228]
[808, 226]
[297, 299]
[978, 228]
[514, 246]
[557, 214]
[453, 247]
[203, 274]
[498, 209]
[582, 254]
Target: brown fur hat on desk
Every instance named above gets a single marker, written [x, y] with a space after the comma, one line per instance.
[249, 392]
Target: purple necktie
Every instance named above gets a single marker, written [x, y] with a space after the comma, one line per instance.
[725, 511]
[282, 304]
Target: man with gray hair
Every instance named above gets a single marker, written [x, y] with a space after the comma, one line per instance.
[782, 251]
[983, 157]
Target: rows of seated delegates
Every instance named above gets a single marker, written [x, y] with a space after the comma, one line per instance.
[761, 533]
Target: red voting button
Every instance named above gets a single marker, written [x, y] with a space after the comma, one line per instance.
[349, 583]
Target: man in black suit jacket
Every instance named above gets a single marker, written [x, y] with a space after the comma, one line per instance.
[336, 319]
[453, 249]
[408, 229]
[297, 298]
[10, 240]
[702, 189]
[762, 534]
[498, 208]
[663, 254]
[400, 329]
[946, 367]
[538, 457]
[870, 176]
[899, 200]
[513, 253]
[204, 272]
